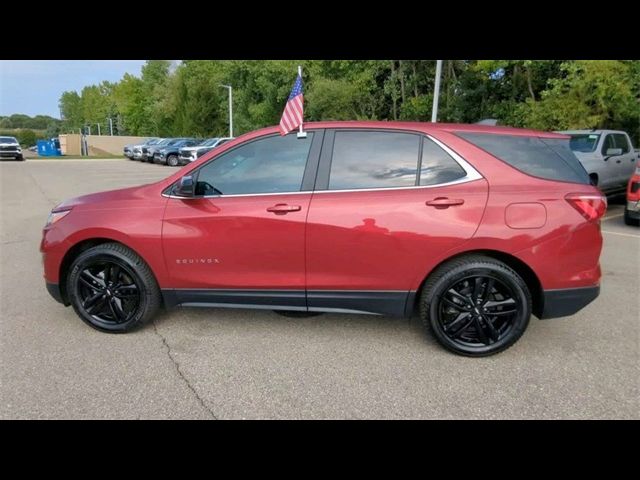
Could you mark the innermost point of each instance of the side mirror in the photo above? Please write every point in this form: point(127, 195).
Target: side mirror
point(186, 187)
point(613, 152)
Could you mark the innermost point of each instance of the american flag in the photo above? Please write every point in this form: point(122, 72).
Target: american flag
point(294, 110)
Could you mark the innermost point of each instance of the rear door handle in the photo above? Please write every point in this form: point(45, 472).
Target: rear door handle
point(283, 208)
point(444, 202)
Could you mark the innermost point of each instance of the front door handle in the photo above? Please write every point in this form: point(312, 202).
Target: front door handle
point(444, 202)
point(618, 161)
point(283, 208)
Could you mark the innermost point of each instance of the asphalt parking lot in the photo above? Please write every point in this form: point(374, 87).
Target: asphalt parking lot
point(217, 363)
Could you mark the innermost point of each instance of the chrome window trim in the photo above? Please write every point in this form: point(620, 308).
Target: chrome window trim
point(471, 175)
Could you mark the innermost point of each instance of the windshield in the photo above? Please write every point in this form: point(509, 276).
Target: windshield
point(8, 140)
point(584, 142)
point(209, 142)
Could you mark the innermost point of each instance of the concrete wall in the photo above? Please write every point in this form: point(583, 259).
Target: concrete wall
point(70, 144)
point(97, 144)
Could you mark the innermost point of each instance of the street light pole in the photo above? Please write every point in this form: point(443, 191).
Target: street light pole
point(98, 128)
point(228, 87)
point(111, 126)
point(436, 92)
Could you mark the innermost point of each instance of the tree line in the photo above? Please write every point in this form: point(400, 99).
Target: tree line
point(187, 99)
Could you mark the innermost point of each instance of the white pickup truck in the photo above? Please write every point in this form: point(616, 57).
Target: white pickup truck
point(607, 156)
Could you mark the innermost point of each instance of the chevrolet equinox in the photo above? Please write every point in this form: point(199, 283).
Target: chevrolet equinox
point(473, 228)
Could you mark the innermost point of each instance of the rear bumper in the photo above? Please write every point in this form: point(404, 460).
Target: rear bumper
point(565, 302)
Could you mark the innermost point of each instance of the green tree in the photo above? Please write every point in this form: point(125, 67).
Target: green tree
point(590, 94)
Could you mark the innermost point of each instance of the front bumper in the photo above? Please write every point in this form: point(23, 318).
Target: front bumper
point(11, 154)
point(54, 291)
point(633, 209)
point(565, 302)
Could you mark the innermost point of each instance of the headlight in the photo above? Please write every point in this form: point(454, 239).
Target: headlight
point(19, 149)
point(56, 216)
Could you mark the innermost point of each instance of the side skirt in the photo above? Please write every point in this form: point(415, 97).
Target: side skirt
point(373, 302)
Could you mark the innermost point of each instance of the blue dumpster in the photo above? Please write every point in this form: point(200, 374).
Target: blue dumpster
point(48, 148)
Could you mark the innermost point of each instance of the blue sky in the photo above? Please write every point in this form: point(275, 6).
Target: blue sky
point(34, 86)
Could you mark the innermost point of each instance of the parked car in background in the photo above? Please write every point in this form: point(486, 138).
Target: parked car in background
point(189, 154)
point(632, 209)
point(128, 149)
point(168, 154)
point(10, 148)
point(473, 227)
point(607, 156)
point(151, 150)
point(140, 149)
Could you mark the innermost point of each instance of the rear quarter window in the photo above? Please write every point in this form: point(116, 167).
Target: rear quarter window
point(548, 158)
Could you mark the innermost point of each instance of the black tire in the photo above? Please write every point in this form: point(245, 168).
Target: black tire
point(295, 314)
point(172, 160)
point(99, 296)
point(478, 333)
point(630, 221)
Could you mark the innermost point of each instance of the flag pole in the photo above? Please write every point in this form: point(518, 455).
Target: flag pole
point(301, 132)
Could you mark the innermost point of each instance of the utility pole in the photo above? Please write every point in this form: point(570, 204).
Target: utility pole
point(230, 109)
point(111, 126)
point(436, 92)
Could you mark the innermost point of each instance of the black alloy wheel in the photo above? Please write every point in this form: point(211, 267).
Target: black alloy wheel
point(478, 310)
point(112, 289)
point(476, 305)
point(108, 292)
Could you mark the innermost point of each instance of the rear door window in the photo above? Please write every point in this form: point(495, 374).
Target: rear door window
point(549, 158)
point(374, 160)
point(438, 166)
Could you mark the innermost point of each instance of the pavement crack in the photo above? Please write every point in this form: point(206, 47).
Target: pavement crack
point(180, 374)
point(42, 192)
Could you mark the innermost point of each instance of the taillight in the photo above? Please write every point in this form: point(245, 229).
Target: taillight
point(591, 206)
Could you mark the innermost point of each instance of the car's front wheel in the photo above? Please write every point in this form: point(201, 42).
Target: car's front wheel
point(112, 289)
point(172, 160)
point(475, 305)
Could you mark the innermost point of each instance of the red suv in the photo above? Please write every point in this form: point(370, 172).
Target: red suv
point(473, 227)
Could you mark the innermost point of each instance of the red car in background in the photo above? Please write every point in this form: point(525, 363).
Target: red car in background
point(632, 209)
point(474, 228)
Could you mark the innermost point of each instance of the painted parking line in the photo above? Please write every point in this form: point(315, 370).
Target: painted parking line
point(612, 216)
point(621, 234)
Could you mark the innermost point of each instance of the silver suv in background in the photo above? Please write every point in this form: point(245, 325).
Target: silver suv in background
point(189, 154)
point(10, 148)
point(128, 149)
point(606, 155)
point(138, 151)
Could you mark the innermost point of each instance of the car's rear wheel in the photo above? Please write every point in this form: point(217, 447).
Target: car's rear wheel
point(172, 160)
point(112, 289)
point(475, 306)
